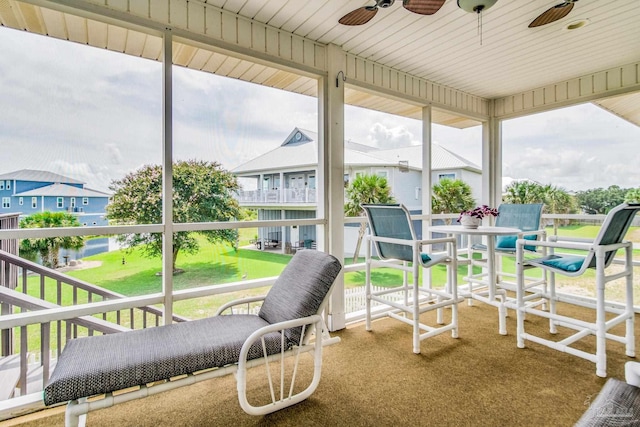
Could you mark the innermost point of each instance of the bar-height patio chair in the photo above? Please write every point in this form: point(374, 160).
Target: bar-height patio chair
point(598, 255)
point(394, 240)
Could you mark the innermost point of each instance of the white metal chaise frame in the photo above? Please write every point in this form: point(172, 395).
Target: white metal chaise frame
point(599, 255)
point(436, 299)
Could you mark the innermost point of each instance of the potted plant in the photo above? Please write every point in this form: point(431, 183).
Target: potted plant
point(473, 217)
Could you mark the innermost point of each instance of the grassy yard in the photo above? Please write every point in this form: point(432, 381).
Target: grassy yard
point(221, 263)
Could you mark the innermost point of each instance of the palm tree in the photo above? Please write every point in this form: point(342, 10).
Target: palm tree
point(558, 200)
point(451, 196)
point(365, 189)
point(49, 247)
point(522, 192)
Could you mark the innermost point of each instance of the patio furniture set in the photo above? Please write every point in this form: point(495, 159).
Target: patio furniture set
point(290, 320)
point(392, 243)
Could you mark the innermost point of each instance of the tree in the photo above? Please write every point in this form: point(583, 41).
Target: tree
point(600, 200)
point(451, 196)
point(202, 192)
point(557, 200)
point(365, 189)
point(49, 247)
point(522, 192)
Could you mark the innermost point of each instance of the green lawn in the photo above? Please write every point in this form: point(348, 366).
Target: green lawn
point(221, 263)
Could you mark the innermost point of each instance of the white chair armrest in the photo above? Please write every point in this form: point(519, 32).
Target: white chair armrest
point(574, 244)
point(632, 373)
point(240, 301)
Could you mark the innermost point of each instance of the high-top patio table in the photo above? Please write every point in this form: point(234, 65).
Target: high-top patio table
point(491, 295)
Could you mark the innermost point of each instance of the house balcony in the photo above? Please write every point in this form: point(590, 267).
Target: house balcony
point(285, 196)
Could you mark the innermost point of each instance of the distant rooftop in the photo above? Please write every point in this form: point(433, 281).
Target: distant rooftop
point(38, 176)
point(62, 190)
point(299, 150)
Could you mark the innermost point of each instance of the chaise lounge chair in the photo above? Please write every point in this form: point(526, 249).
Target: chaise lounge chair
point(219, 345)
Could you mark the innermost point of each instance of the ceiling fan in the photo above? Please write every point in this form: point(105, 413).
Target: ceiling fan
point(553, 14)
point(364, 14)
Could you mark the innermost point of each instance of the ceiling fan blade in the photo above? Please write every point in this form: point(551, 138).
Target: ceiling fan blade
point(423, 7)
point(558, 11)
point(359, 16)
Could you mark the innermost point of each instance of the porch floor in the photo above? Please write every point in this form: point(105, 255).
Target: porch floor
point(373, 378)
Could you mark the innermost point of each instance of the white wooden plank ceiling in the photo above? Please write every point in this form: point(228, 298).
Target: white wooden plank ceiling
point(444, 48)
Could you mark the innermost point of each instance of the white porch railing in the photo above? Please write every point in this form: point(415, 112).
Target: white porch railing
point(285, 195)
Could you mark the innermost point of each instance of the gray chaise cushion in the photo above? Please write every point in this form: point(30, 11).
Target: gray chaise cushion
point(300, 289)
point(104, 363)
point(617, 404)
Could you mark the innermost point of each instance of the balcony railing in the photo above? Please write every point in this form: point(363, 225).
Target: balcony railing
point(30, 367)
point(285, 195)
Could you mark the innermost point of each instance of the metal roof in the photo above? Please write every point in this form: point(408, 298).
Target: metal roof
point(61, 190)
point(303, 156)
point(38, 176)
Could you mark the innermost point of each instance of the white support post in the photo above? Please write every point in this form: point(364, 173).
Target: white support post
point(492, 162)
point(167, 176)
point(426, 182)
point(331, 156)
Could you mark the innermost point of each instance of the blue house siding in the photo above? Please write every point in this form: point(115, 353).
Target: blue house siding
point(38, 195)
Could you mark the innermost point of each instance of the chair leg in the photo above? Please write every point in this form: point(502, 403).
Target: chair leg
point(416, 309)
point(519, 298)
point(452, 281)
point(552, 302)
point(601, 328)
point(469, 271)
point(502, 318)
point(629, 335)
point(367, 288)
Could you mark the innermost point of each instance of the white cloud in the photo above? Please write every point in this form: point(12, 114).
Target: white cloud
point(385, 137)
point(113, 153)
point(97, 115)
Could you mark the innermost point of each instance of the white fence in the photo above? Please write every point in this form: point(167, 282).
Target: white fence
point(355, 298)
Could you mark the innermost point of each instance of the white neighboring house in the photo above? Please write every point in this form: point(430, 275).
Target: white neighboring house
point(283, 181)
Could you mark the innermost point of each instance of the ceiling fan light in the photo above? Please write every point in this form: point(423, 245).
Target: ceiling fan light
point(574, 25)
point(475, 6)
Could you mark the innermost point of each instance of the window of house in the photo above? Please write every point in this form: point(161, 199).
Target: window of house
point(60, 202)
point(85, 200)
point(446, 176)
point(8, 186)
point(6, 202)
point(346, 179)
point(21, 201)
point(72, 202)
point(34, 202)
point(312, 181)
point(1, 185)
point(383, 174)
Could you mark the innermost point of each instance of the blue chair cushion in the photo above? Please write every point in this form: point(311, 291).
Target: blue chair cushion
point(509, 242)
point(566, 263)
point(425, 258)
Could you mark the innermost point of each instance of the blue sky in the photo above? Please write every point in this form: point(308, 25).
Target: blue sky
point(95, 115)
